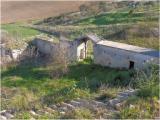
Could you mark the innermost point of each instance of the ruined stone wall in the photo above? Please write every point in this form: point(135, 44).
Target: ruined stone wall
point(70, 48)
point(117, 58)
point(46, 47)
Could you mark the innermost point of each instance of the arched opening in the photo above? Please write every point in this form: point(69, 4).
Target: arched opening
point(84, 49)
point(89, 49)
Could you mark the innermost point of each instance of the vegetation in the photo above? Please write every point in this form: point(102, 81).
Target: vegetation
point(27, 86)
point(116, 18)
point(17, 30)
point(36, 83)
point(145, 104)
point(80, 113)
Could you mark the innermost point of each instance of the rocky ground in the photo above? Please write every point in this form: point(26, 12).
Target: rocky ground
point(108, 107)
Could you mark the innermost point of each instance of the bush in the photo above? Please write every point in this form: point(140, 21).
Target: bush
point(149, 84)
point(141, 109)
point(24, 100)
point(23, 115)
point(149, 91)
point(59, 66)
point(80, 113)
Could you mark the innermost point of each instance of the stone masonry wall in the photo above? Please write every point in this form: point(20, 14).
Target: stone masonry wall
point(117, 58)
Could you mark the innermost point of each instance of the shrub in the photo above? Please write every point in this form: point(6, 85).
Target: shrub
point(59, 66)
point(149, 91)
point(106, 92)
point(23, 115)
point(24, 100)
point(141, 108)
point(79, 113)
point(149, 84)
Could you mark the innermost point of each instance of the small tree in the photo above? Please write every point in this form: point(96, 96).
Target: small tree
point(83, 9)
point(103, 6)
point(59, 66)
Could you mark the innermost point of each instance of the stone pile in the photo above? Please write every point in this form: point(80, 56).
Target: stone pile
point(93, 105)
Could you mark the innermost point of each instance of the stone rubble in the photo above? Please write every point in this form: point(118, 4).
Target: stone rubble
point(121, 97)
point(112, 106)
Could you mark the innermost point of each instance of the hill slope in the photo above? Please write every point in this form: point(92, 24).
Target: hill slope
point(26, 10)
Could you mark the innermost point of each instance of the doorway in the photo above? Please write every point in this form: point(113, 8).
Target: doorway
point(131, 64)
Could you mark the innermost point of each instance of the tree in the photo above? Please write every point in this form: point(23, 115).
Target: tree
point(103, 6)
point(83, 9)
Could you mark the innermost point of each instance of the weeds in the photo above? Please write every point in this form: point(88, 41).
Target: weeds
point(140, 108)
point(59, 64)
point(80, 113)
point(24, 100)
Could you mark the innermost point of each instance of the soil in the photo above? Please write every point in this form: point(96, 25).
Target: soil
point(13, 11)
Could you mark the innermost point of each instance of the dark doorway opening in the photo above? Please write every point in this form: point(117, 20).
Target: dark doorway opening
point(131, 64)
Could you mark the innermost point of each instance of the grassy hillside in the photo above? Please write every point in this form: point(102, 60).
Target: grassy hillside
point(15, 11)
point(117, 18)
point(16, 29)
point(35, 87)
point(30, 86)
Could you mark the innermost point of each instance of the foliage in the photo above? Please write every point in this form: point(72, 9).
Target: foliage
point(17, 30)
point(149, 87)
point(24, 100)
point(59, 66)
point(114, 18)
point(80, 113)
point(23, 115)
point(106, 92)
point(140, 109)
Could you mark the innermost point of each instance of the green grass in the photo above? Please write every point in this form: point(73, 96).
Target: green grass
point(83, 80)
point(114, 18)
point(16, 29)
point(80, 113)
point(141, 108)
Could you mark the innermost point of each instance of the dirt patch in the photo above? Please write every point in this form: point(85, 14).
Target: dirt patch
point(13, 11)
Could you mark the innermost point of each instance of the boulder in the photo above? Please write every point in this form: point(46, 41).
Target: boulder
point(3, 117)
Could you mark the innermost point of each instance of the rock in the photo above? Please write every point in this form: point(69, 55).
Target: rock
point(16, 53)
point(63, 109)
point(8, 115)
point(124, 94)
point(3, 111)
point(131, 106)
point(33, 113)
point(122, 98)
point(32, 118)
point(53, 107)
point(118, 106)
point(69, 106)
point(62, 113)
point(75, 103)
point(40, 112)
point(98, 104)
point(155, 32)
point(3, 117)
point(50, 110)
point(113, 102)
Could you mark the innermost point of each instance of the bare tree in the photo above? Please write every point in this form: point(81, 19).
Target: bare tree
point(59, 66)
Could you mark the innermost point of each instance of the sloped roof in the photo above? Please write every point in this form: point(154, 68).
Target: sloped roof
point(141, 50)
point(93, 37)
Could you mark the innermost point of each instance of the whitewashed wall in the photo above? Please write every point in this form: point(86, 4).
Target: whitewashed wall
point(118, 58)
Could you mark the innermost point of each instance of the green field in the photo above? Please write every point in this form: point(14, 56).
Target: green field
point(117, 18)
point(34, 83)
point(27, 86)
point(16, 29)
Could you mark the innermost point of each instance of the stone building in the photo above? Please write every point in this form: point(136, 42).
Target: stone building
point(75, 50)
point(120, 55)
point(105, 53)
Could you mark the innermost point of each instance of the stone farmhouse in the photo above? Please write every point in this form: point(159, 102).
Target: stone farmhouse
point(105, 52)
